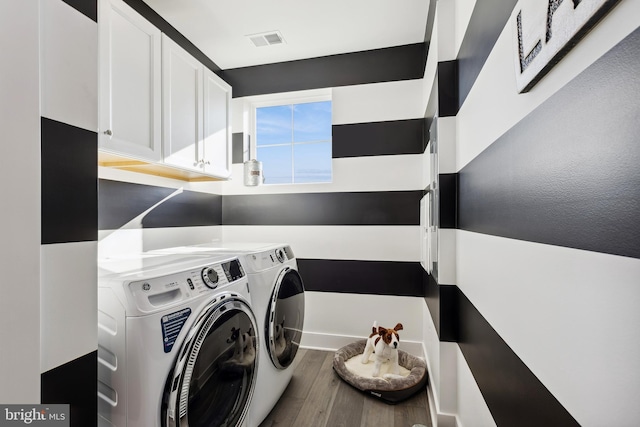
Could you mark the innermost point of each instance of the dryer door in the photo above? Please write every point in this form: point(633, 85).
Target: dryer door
point(285, 318)
point(214, 376)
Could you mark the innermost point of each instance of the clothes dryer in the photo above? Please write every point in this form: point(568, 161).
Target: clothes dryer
point(277, 295)
point(177, 341)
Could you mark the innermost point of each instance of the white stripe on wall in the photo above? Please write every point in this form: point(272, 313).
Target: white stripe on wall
point(567, 314)
point(479, 126)
point(372, 173)
point(120, 242)
point(471, 408)
point(378, 102)
point(367, 243)
point(20, 226)
point(69, 297)
point(351, 317)
point(69, 65)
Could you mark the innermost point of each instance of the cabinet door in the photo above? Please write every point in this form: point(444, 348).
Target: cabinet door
point(217, 126)
point(129, 105)
point(182, 105)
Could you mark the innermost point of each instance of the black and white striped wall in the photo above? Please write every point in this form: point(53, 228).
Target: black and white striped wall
point(356, 239)
point(49, 245)
point(533, 320)
point(69, 144)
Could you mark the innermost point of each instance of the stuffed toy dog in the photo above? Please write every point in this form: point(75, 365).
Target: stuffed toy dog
point(383, 343)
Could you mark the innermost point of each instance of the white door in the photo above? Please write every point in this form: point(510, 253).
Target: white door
point(129, 81)
point(217, 126)
point(182, 84)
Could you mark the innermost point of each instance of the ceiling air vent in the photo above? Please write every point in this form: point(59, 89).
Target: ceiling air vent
point(266, 39)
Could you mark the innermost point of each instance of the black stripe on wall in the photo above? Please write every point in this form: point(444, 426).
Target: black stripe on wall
point(74, 383)
point(69, 197)
point(487, 22)
point(447, 88)
point(88, 8)
point(121, 202)
point(378, 138)
point(152, 16)
point(362, 277)
point(358, 208)
point(567, 174)
point(448, 193)
point(373, 66)
point(442, 301)
point(512, 392)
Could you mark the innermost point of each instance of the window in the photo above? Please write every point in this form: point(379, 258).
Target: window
point(293, 142)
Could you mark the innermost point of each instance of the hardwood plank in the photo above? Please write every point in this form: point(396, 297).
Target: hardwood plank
point(347, 407)
point(376, 413)
point(315, 411)
point(305, 374)
point(284, 413)
point(406, 416)
point(317, 397)
point(419, 400)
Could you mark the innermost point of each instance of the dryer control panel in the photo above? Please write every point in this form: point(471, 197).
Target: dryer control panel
point(153, 293)
point(271, 258)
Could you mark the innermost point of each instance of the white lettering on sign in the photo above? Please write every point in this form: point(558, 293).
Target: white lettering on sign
point(546, 30)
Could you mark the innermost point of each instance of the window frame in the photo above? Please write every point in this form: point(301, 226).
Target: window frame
point(282, 99)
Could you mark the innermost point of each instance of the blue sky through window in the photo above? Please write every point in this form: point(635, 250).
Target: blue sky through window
point(294, 142)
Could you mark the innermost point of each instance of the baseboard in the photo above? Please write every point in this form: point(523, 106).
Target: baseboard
point(438, 419)
point(332, 342)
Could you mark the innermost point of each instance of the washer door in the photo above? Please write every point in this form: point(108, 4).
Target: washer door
point(285, 318)
point(214, 376)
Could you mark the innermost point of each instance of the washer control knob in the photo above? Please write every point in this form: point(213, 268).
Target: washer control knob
point(280, 255)
point(210, 277)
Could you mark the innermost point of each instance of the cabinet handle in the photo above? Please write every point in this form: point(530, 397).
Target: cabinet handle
point(108, 132)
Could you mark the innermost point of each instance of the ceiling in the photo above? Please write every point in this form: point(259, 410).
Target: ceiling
point(309, 28)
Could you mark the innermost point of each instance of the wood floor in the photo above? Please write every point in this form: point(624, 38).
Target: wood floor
point(317, 397)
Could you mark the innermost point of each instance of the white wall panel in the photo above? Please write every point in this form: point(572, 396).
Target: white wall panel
point(69, 298)
point(120, 242)
point(493, 106)
point(20, 225)
point(352, 315)
point(432, 350)
point(371, 173)
point(378, 102)
point(445, 15)
point(552, 305)
point(367, 243)
point(472, 410)
point(69, 65)
point(463, 12)
point(447, 256)
point(447, 145)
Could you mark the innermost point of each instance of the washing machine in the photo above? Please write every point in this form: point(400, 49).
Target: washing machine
point(178, 341)
point(277, 295)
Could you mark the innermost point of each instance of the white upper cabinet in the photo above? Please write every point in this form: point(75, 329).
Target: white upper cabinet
point(157, 102)
point(217, 125)
point(130, 85)
point(183, 105)
point(196, 114)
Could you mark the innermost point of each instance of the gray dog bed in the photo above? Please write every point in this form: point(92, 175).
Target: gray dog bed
point(391, 390)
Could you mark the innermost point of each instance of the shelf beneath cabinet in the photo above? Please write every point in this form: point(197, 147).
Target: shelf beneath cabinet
point(115, 161)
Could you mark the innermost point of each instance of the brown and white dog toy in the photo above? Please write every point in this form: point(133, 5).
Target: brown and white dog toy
point(384, 344)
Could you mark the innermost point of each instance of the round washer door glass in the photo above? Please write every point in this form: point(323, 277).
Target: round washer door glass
point(213, 380)
point(285, 318)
